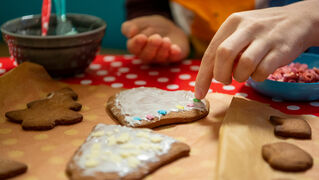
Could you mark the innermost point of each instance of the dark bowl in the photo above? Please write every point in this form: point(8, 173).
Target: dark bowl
point(61, 55)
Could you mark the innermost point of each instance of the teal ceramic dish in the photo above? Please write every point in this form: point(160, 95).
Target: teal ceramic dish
point(291, 91)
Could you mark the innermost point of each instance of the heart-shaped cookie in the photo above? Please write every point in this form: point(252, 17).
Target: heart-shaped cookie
point(152, 107)
point(286, 157)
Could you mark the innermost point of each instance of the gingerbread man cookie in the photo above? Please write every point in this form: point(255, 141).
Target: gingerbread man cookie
point(119, 152)
point(152, 107)
point(58, 108)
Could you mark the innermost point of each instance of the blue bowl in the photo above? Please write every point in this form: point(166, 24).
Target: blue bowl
point(291, 91)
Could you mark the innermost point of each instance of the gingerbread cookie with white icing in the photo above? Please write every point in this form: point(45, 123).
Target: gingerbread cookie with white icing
point(152, 107)
point(119, 152)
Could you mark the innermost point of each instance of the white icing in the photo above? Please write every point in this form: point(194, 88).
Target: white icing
point(122, 151)
point(140, 102)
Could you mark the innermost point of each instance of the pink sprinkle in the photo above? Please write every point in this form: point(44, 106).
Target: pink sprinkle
point(190, 105)
point(149, 117)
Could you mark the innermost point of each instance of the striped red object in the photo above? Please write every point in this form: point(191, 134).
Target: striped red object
point(45, 16)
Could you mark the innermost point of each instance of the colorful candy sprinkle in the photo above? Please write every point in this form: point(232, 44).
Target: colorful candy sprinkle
point(162, 112)
point(190, 105)
point(137, 118)
point(150, 117)
point(180, 107)
point(196, 100)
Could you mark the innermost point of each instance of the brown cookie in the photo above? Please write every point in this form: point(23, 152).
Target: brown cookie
point(58, 108)
point(10, 168)
point(291, 127)
point(115, 152)
point(152, 107)
point(286, 157)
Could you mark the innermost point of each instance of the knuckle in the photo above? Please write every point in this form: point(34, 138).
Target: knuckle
point(255, 26)
point(223, 51)
point(237, 16)
point(285, 49)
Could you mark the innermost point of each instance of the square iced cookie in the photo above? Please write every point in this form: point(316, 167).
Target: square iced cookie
point(119, 152)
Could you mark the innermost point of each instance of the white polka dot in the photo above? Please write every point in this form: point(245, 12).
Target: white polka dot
point(116, 64)
point(79, 75)
point(137, 61)
point(95, 66)
point(109, 79)
point(215, 81)
point(128, 56)
point(184, 76)
point(228, 87)
point(131, 76)
point(86, 82)
point(153, 73)
point(140, 83)
point(209, 90)
point(175, 70)
point(192, 83)
point(194, 68)
point(116, 85)
point(242, 94)
point(276, 99)
point(187, 62)
point(293, 107)
point(162, 79)
point(101, 72)
point(311, 115)
point(2, 71)
point(0, 64)
point(15, 63)
point(145, 67)
point(172, 86)
point(108, 58)
point(246, 84)
point(124, 69)
point(315, 103)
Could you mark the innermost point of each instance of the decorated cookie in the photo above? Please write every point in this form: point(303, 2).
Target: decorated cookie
point(58, 108)
point(286, 157)
point(291, 127)
point(10, 168)
point(119, 152)
point(152, 107)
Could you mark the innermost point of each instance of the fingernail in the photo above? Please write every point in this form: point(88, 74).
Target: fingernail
point(166, 39)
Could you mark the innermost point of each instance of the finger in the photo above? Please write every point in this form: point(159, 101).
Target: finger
point(226, 54)
point(149, 51)
point(268, 65)
point(136, 44)
point(148, 31)
point(129, 29)
point(175, 53)
point(206, 70)
point(250, 59)
point(164, 51)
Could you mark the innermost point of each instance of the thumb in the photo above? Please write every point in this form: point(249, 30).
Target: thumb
point(129, 29)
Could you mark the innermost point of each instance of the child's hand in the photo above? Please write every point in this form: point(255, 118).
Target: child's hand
point(155, 39)
point(255, 43)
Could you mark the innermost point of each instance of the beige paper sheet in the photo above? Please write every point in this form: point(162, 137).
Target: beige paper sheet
point(47, 152)
point(244, 130)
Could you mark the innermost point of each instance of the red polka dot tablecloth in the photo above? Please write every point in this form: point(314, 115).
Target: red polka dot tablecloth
point(128, 71)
